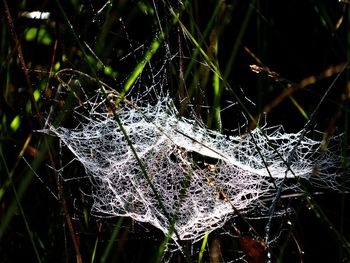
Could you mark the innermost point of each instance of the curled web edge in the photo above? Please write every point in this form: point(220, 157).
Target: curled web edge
point(175, 153)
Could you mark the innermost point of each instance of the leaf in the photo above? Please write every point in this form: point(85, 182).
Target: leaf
point(254, 249)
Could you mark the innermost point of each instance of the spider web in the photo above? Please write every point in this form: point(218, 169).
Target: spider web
point(177, 171)
point(201, 177)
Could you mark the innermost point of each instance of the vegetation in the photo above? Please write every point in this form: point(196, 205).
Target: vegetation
point(227, 63)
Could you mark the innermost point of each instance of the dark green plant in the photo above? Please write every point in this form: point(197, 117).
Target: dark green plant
point(297, 48)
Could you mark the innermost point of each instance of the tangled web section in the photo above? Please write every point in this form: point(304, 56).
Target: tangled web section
point(188, 165)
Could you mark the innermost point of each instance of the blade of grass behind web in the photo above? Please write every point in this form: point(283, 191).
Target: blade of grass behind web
point(204, 244)
point(112, 239)
point(18, 204)
point(193, 59)
point(140, 66)
point(201, 42)
point(214, 119)
point(243, 28)
point(214, 67)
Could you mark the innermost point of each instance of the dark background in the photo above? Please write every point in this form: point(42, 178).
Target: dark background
point(294, 39)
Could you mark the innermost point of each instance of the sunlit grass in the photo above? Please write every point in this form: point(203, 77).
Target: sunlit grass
point(212, 67)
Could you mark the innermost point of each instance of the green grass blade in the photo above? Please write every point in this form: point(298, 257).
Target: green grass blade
point(111, 241)
point(299, 107)
point(232, 58)
point(139, 67)
point(93, 256)
point(18, 203)
point(204, 244)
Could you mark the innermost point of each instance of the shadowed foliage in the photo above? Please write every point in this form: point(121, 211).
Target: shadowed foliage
point(230, 65)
